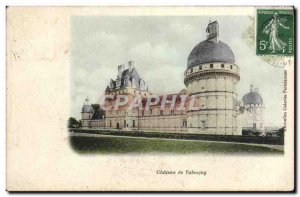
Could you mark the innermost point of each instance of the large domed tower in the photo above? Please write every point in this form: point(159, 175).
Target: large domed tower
point(212, 76)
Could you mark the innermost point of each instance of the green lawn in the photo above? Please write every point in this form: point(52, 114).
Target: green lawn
point(120, 145)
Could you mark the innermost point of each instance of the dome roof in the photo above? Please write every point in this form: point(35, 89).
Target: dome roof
point(210, 51)
point(252, 98)
point(87, 109)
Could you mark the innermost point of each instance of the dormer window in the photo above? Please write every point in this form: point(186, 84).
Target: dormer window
point(200, 67)
point(222, 65)
point(211, 65)
point(230, 66)
point(111, 85)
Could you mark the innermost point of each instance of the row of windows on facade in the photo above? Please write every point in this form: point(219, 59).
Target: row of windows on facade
point(184, 124)
point(123, 91)
point(151, 112)
point(253, 104)
point(211, 66)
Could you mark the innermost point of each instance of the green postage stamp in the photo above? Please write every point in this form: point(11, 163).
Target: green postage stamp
point(275, 32)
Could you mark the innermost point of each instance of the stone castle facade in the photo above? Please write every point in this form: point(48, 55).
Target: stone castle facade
point(211, 78)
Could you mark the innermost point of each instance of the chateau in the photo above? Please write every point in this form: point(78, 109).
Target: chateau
point(211, 79)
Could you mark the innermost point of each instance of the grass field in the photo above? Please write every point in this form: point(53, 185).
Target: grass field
point(121, 145)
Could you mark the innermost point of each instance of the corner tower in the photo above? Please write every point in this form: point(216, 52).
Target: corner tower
point(86, 114)
point(212, 76)
point(254, 111)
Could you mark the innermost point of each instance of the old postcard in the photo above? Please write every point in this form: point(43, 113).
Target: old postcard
point(150, 98)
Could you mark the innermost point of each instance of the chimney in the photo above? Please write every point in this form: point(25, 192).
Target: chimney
point(212, 31)
point(130, 65)
point(251, 88)
point(256, 90)
point(121, 68)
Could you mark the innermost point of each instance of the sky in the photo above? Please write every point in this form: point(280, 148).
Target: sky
point(160, 46)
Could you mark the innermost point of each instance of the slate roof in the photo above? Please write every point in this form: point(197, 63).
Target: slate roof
point(252, 98)
point(209, 51)
point(87, 109)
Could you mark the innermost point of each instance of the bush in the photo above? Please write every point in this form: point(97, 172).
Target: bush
point(207, 137)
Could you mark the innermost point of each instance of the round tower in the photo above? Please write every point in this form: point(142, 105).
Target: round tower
point(255, 109)
point(86, 114)
point(212, 76)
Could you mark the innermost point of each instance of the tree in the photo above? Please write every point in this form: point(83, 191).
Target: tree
point(280, 132)
point(79, 124)
point(95, 107)
point(73, 123)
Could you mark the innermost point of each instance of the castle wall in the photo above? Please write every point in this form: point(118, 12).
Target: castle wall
point(151, 120)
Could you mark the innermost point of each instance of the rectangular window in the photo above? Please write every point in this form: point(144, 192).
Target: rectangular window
point(230, 66)
point(184, 123)
point(172, 112)
point(200, 67)
point(124, 123)
point(133, 123)
point(222, 65)
point(202, 124)
point(191, 70)
point(254, 125)
point(211, 65)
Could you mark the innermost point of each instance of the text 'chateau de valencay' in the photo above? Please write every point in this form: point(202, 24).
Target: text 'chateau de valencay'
point(211, 78)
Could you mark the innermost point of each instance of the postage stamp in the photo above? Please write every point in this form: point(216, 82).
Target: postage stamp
point(275, 32)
